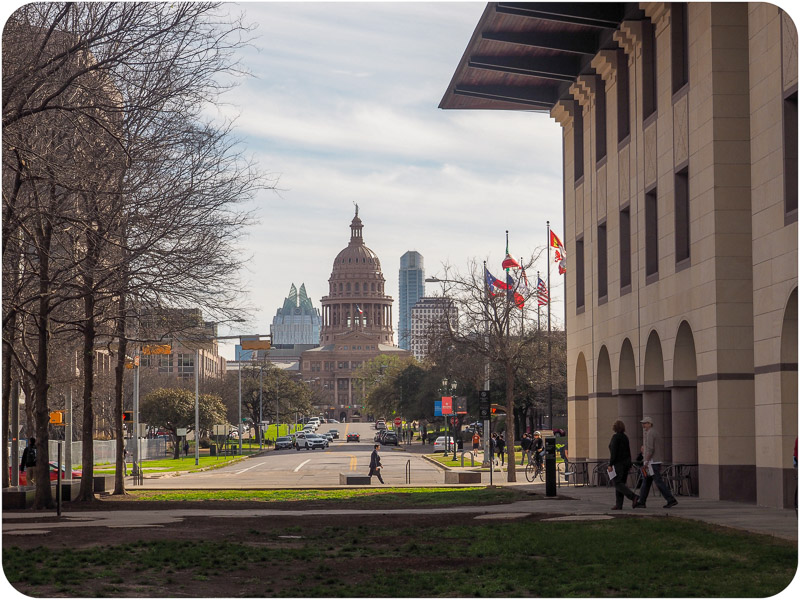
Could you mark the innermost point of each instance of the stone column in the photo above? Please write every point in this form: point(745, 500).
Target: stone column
point(629, 409)
point(684, 425)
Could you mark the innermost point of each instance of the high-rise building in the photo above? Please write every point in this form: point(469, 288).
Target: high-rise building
point(356, 327)
point(412, 288)
point(429, 316)
point(297, 321)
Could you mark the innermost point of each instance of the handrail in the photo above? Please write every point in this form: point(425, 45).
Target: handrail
point(408, 471)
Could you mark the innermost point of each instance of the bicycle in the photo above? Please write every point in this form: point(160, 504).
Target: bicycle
point(535, 469)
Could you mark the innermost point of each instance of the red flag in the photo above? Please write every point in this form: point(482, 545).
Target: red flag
point(554, 241)
point(510, 262)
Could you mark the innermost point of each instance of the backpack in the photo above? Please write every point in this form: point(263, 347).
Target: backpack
point(30, 459)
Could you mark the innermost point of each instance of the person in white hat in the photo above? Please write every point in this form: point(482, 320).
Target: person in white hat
point(652, 465)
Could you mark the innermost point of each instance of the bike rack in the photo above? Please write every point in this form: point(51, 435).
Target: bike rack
point(408, 471)
point(471, 457)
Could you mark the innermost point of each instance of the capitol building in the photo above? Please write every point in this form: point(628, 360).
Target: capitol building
point(356, 327)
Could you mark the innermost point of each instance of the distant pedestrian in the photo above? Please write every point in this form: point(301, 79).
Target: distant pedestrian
point(27, 463)
point(423, 434)
point(525, 444)
point(375, 464)
point(619, 464)
point(476, 440)
point(186, 447)
point(501, 449)
point(493, 448)
point(125, 461)
point(652, 466)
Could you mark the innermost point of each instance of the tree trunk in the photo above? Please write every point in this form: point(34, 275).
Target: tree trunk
point(43, 497)
point(89, 303)
point(119, 379)
point(7, 350)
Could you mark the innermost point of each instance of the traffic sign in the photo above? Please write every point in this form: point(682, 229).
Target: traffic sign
point(454, 421)
point(256, 345)
point(157, 349)
point(398, 421)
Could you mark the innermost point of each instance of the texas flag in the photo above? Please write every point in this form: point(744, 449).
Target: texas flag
point(358, 308)
point(510, 262)
point(494, 282)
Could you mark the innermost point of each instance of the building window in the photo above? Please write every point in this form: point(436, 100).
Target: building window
point(682, 215)
point(186, 365)
point(625, 248)
point(680, 45)
point(578, 139)
point(623, 99)
point(357, 286)
point(790, 154)
point(602, 262)
point(600, 120)
point(651, 232)
point(648, 70)
point(165, 363)
point(579, 274)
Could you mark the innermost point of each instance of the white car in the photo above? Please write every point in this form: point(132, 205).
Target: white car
point(438, 445)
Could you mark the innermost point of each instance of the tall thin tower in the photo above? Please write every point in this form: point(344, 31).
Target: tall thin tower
point(412, 288)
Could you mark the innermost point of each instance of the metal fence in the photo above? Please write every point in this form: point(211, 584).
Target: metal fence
point(105, 451)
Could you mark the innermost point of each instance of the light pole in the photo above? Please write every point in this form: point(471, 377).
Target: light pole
point(449, 387)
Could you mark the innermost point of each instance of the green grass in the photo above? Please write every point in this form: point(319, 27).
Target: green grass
point(383, 496)
point(167, 465)
point(639, 557)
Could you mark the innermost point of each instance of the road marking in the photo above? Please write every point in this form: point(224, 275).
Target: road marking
point(300, 466)
point(248, 468)
point(353, 462)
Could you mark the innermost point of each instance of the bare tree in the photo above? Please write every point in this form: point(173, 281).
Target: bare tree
point(143, 211)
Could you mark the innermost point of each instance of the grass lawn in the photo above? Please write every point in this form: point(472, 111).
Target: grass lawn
point(409, 497)
point(640, 557)
point(166, 465)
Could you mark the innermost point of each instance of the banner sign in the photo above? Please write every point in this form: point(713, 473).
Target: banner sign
point(447, 405)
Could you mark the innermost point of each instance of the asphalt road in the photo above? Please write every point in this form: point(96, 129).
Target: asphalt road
point(311, 468)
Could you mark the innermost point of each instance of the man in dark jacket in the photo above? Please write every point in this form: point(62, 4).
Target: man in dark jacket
point(375, 464)
point(28, 462)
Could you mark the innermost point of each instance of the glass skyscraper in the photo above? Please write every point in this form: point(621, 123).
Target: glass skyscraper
point(412, 288)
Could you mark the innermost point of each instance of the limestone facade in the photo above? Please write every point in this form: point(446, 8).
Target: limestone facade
point(694, 321)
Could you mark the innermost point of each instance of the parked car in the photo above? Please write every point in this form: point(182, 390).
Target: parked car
point(334, 433)
point(439, 444)
point(380, 424)
point(315, 441)
point(327, 435)
point(23, 476)
point(353, 437)
point(284, 443)
point(300, 440)
point(389, 438)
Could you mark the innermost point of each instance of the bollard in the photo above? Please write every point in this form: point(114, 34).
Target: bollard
point(550, 466)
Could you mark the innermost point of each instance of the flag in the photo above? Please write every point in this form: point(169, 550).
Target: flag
point(510, 262)
point(562, 266)
point(358, 308)
point(523, 287)
point(493, 281)
point(541, 291)
point(554, 241)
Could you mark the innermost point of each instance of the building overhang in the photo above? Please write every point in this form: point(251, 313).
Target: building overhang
point(525, 55)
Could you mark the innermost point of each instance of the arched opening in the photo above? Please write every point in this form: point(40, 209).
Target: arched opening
point(683, 396)
point(655, 398)
point(789, 393)
point(603, 409)
point(629, 400)
point(578, 429)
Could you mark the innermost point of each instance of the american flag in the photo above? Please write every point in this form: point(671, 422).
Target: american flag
point(541, 291)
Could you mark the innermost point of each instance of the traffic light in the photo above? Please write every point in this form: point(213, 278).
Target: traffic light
point(57, 417)
point(127, 416)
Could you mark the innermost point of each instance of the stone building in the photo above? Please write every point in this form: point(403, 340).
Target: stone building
point(679, 126)
point(356, 327)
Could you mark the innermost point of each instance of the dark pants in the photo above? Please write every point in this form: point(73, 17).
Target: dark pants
point(621, 489)
point(655, 478)
point(376, 472)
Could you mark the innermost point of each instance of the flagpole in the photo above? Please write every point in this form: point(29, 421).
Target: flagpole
point(538, 305)
point(549, 346)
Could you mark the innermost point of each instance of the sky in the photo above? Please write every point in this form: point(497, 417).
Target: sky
point(342, 106)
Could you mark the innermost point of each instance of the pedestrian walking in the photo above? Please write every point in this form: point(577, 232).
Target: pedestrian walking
point(424, 432)
point(27, 463)
point(493, 448)
point(375, 464)
point(125, 461)
point(525, 444)
point(186, 447)
point(651, 454)
point(501, 449)
point(618, 466)
point(476, 440)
